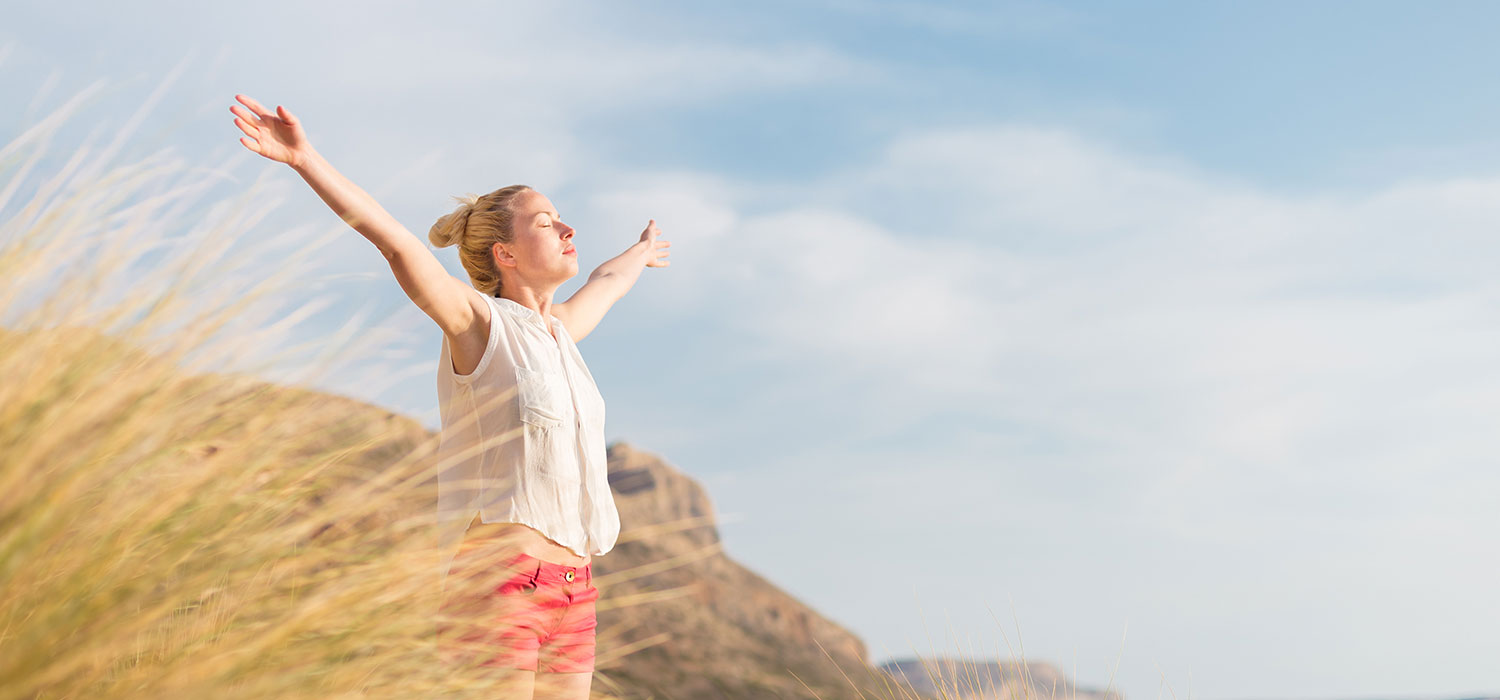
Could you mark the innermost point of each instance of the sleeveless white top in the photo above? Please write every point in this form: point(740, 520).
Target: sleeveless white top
point(522, 437)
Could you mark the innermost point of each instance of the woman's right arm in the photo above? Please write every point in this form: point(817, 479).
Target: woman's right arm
point(447, 300)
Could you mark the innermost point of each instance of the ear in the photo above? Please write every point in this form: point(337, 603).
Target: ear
point(502, 256)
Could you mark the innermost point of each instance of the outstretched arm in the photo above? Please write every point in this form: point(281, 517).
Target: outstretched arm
point(280, 137)
point(607, 283)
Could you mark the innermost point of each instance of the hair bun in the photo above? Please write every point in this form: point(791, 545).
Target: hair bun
point(449, 230)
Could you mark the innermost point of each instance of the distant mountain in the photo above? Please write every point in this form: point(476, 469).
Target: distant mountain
point(986, 679)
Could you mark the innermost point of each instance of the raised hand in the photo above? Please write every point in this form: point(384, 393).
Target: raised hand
point(656, 249)
point(276, 136)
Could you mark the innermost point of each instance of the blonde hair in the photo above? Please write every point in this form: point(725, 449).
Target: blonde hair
point(475, 227)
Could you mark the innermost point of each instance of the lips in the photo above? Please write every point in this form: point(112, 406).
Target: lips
point(570, 250)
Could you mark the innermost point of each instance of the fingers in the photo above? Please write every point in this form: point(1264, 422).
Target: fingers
point(245, 127)
point(253, 105)
point(659, 246)
point(250, 144)
point(286, 115)
point(244, 114)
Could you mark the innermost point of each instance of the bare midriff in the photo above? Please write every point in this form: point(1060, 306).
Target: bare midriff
point(527, 539)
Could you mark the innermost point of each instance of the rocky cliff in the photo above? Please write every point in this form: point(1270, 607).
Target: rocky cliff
point(714, 628)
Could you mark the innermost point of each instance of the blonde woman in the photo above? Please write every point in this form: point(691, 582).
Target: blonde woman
point(520, 410)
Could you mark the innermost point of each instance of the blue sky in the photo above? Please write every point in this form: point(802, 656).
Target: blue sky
point(1170, 322)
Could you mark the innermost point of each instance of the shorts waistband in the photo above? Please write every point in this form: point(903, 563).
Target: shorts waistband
point(553, 572)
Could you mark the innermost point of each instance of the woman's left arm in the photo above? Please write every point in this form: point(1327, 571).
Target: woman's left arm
point(607, 283)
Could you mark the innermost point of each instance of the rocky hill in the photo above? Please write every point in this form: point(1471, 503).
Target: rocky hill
point(678, 618)
point(726, 631)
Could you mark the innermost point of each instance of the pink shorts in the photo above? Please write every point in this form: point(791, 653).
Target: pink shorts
point(517, 611)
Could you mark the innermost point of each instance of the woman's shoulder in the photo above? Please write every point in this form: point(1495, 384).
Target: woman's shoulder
point(474, 349)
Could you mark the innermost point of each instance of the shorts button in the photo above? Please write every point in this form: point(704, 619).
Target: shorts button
point(569, 575)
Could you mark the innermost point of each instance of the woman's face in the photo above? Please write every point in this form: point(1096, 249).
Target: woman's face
point(542, 251)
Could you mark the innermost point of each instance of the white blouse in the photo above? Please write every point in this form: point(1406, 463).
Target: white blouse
point(522, 437)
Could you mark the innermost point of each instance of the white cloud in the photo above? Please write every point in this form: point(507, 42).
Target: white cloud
point(1217, 344)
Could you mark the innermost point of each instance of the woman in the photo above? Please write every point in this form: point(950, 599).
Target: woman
point(523, 422)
